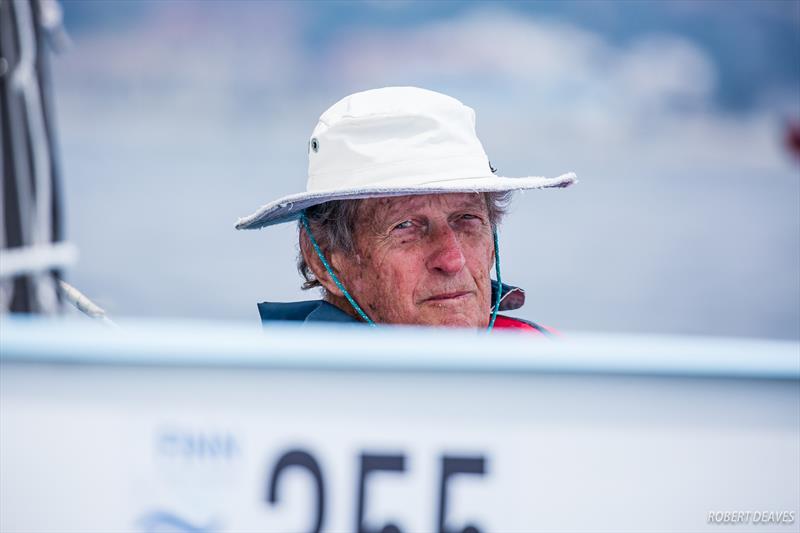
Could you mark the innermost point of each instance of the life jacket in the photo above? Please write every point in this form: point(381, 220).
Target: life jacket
point(510, 323)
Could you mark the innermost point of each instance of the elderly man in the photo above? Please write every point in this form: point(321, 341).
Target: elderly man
point(398, 224)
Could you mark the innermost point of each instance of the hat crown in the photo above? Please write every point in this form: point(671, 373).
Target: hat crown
point(394, 141)
point(394, 133)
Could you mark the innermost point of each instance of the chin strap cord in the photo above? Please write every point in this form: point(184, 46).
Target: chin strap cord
point(333, 276)
point(499, 295)
point(361, 313)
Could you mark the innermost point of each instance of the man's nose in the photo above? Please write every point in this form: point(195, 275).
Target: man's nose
point(446, 257)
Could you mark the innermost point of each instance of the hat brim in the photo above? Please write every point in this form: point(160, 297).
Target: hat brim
point(289, 207)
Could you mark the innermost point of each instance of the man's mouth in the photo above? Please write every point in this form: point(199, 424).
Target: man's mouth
point(448, 296)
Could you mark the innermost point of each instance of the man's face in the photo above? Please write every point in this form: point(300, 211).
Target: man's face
point(422, 260)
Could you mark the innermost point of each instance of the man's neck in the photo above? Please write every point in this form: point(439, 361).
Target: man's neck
point(341, 303)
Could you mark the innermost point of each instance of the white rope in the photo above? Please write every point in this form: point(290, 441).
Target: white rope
point(36, 259)
point(84, 304)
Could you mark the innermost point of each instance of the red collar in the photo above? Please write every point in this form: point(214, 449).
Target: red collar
point(506, 322)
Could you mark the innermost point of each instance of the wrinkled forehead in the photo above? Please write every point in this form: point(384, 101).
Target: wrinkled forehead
point(376, 210)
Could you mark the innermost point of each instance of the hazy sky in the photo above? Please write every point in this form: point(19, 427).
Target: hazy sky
point(175, 118)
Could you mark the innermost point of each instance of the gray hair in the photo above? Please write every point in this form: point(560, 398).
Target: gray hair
point(333, 226)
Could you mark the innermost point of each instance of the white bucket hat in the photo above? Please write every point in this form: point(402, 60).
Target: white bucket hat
point(394, 141)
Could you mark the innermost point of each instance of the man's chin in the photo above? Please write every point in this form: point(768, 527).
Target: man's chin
point(453, 320)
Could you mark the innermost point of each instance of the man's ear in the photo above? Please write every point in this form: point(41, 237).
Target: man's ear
point(316, 266)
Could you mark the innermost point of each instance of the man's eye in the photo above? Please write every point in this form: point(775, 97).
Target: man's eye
point(404, 225)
